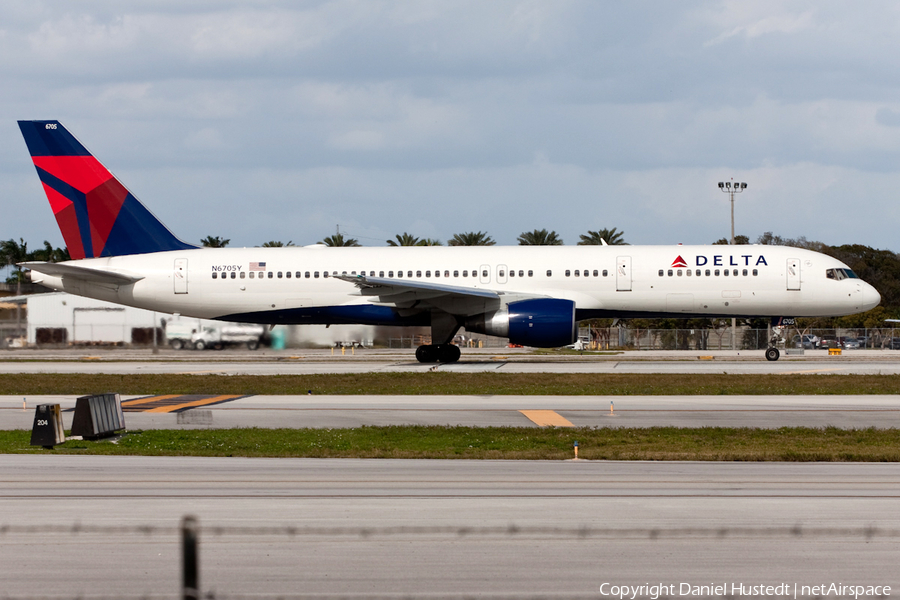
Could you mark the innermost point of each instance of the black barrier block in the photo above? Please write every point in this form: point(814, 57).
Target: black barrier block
point(98, 416)
point(48, 428)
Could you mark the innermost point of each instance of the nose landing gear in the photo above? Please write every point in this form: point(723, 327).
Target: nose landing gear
point(772, 352)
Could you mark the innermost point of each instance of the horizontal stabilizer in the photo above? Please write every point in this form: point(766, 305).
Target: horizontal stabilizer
point(84, 273)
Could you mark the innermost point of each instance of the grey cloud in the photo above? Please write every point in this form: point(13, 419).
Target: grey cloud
point(464, 115)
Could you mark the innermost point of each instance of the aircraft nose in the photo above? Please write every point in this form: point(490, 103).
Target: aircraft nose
point(870, 297)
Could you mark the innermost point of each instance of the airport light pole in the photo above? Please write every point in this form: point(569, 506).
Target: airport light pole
point(731, 188)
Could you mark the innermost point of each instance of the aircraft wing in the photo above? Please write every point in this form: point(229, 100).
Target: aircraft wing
point(419, 295)
point(84, 273)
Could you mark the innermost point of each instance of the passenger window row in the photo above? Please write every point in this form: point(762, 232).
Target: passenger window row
point(390, 274)
point(707, 272)
point(587, 273)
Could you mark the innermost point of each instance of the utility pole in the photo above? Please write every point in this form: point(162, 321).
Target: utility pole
point(731, 188)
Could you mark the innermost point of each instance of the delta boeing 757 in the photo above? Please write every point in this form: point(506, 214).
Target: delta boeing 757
point(533, 295)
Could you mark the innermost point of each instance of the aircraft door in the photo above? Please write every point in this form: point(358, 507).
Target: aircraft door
point(181, 276)
point(501, 273)
point(793, 274)
point(623, 274)
point(484, 273)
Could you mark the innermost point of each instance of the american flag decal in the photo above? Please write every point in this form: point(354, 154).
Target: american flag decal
point(257, 266)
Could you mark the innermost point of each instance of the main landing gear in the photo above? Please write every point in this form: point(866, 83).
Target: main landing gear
point(772, 353)
point(445, 353)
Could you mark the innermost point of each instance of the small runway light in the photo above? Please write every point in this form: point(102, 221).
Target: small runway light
point(611, 408)
point(576, 449)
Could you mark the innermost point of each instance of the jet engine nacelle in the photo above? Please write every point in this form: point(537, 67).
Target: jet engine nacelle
point(542, 323)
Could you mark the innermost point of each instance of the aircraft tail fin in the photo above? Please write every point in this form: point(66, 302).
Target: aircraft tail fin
point(96, 214)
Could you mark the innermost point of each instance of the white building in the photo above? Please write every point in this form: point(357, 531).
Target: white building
point(60, 318)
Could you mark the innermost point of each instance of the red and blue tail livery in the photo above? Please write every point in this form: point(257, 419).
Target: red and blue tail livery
point(96, 214)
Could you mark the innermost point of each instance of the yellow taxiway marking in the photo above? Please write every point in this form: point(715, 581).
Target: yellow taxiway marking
point(127, 403)
point(191, 404)
point(547, 418)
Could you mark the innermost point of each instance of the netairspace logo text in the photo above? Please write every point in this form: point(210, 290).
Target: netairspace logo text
point(784, 590)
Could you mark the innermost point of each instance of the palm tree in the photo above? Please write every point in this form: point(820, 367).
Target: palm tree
point(12, 253)
point(405, 239)
point(49, 254)
point(596, 238)
point(214, 242)
point(430, 242)
point(540, 237)
point(471, 238)
point(274, 244)
point(337, 240)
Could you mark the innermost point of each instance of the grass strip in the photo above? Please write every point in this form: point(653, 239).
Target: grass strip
point(437, 383)
point(792, 444)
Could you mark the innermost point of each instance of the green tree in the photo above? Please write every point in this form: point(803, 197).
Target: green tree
point(770, 239)
point(739, 240)
point(430, 242)
point(274, 244)
point(11, 253)
point(214, 242)
point(405, 239)
point(49, 254)
point(539, 237)
point(338, 240)
point(596, 238)
point(471, 238)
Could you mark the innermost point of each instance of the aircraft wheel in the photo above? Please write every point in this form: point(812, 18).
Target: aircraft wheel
point(772, 354)
point(427, 354)
point(448, 353)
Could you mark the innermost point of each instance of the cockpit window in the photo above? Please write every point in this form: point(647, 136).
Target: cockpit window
point(839, 274)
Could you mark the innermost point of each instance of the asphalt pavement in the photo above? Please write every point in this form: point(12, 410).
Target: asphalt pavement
point(371, 528)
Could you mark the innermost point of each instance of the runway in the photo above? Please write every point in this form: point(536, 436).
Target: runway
point(315, 411)
point(372, 528)
point(501, 360)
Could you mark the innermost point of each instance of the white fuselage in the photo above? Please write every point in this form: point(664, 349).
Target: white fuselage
point(614, 281)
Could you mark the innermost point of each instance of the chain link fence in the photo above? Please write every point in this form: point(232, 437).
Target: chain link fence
point(191, 535)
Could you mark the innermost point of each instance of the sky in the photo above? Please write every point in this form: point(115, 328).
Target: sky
point(268, 120)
